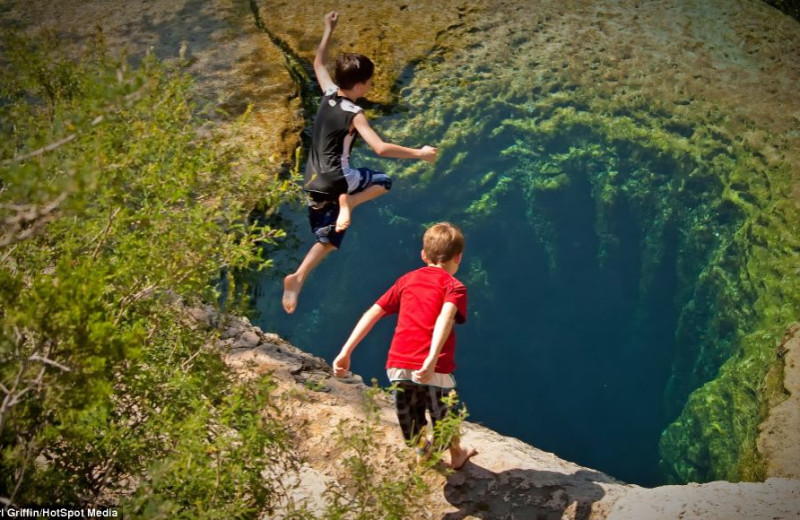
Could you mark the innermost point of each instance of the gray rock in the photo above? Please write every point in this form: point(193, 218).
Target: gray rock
point(248, 339)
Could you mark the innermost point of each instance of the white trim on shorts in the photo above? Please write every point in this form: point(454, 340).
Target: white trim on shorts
point(445, 381)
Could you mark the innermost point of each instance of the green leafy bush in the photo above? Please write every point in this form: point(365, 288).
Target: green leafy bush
point(116, 205)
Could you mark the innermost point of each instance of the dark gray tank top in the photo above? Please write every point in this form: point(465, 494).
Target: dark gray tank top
point(331, 142)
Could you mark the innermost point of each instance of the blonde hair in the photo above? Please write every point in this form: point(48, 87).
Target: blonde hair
point(442, 242)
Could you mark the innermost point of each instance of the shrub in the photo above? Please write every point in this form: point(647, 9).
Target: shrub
point(114, 200)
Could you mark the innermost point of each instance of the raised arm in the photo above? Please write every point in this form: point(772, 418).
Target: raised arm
point(441, 331)
point(341, 365)
point(321, 58)
point(384, 149)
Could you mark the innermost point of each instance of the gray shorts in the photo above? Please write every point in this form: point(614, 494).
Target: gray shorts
point(369, 178)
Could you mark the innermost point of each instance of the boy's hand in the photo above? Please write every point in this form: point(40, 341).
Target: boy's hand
point(427, 153)
point(341, 365)
point(424, 374)
point(331, 19)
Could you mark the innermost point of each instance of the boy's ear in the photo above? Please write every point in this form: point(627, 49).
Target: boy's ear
point(424, 258)
point(458, 257)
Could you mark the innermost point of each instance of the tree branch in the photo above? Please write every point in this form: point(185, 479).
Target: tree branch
point(28, 219)
point(103, 233)
point(8, 400)
point(50, 147)
point(45, 360)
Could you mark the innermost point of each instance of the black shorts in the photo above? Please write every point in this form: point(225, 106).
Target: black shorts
point(322, 217)
point(411, 400)
point(322, 214)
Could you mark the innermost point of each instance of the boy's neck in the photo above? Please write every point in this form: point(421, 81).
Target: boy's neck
point(449, 266)
point(349, 94)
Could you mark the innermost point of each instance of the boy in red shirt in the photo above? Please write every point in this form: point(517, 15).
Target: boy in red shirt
point(420, 360)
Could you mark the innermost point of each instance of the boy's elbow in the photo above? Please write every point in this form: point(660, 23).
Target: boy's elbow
point(376, 311)
point(381, 150)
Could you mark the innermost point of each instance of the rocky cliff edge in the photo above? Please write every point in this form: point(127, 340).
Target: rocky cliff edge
point(507, 479)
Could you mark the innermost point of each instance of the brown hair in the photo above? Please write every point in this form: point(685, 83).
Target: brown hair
point(442, 242)
point(352, 68)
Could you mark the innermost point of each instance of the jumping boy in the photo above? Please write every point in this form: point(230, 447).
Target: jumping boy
point(334, 188)
point(421, 356)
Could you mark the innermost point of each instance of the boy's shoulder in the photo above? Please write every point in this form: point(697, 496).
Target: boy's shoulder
point(349, 106)
point(330, 97)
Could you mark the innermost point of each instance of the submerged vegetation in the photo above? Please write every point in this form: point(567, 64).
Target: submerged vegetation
point(717, 208)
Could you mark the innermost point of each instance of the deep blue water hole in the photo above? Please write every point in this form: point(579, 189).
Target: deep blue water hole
point(570, 353)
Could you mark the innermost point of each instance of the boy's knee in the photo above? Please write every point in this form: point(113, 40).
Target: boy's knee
point(327, 247)
point(381, 179)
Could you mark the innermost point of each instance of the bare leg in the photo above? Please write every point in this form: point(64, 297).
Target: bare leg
point(293, 283)
point(370, 193)
point(458, 455)
point(349, 203)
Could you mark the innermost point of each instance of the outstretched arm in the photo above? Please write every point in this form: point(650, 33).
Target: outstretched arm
point(441, 331)
point(341, 365)
point(384, 149)
point(321, 58)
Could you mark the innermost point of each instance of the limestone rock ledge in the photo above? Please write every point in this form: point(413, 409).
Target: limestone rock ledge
point(508, 479)
point(773, 499)
point(779, 434)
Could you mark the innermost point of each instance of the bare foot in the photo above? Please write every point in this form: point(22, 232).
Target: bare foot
point(291, 290)
point(461, 456)
point(343, 220)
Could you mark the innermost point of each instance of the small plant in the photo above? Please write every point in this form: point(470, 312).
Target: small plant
point(376, 481)
point(447, 429)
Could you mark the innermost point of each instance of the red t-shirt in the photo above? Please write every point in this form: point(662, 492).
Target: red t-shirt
point(418, 297)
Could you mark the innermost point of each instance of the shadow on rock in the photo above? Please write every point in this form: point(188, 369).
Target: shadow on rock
point(522, 493)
